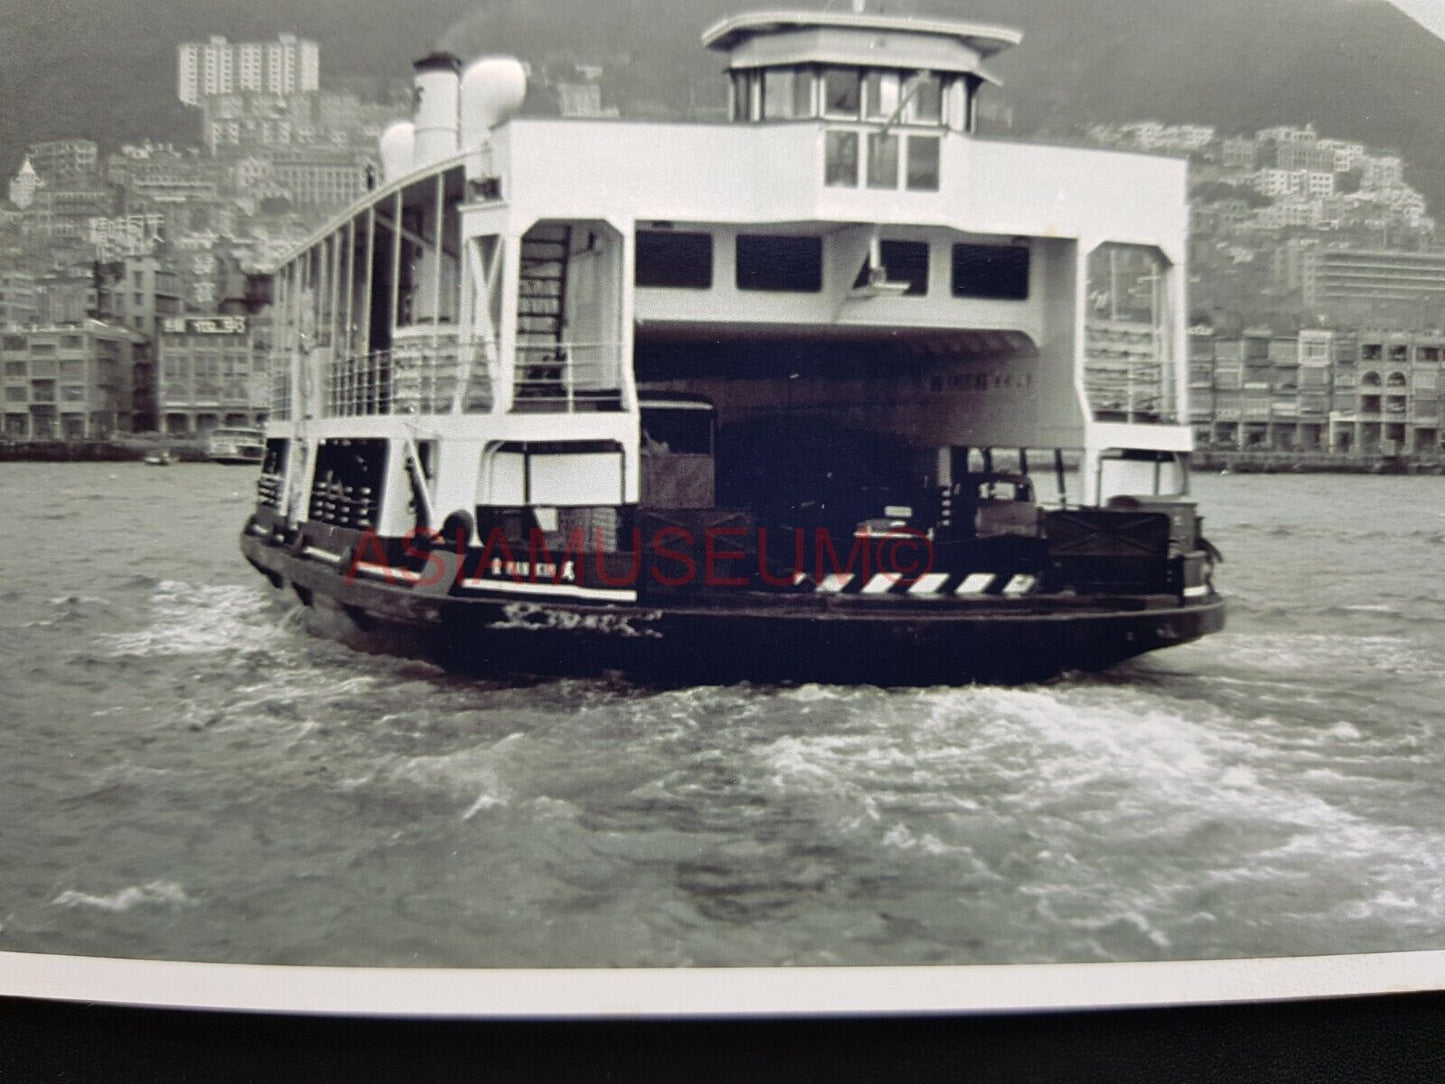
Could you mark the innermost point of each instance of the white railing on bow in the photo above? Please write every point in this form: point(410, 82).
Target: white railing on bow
point(567, 377)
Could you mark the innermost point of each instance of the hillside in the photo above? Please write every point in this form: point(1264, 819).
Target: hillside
point(1355, 68)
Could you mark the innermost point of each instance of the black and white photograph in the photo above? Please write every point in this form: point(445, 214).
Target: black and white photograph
point(682, 487)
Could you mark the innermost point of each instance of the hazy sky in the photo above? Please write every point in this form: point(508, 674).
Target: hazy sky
point(1428, 13)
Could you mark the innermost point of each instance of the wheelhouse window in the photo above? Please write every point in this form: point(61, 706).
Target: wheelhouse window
point(787, 93)
point(880, 95)
point(991, 272)
point(779, 263)
point(925, 100)
point(665, 258)
point(842, 92)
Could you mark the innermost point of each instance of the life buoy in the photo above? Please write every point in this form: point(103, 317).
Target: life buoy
point(457, 531)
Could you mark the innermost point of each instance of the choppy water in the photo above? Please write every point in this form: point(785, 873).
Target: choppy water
point(188, 773)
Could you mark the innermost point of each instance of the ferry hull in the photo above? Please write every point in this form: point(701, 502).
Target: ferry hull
point(248, 459)
point(746, 637)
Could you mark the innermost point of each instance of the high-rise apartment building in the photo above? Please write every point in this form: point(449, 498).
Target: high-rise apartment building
point(284, 66)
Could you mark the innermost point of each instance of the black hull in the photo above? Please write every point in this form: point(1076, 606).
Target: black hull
point(737, 637)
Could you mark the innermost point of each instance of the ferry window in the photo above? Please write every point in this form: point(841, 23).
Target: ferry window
point(682, 430)
point(840, 92)
point(780, 263)
point(787, 93)
point(360, 265)
point(840, 168)
point(414, 302)
point(923, 163)
point(14, 342)
point(1129, 368)
point(450, 247)
point(997, 272)
point(341, 286)
point(882, 160)
point(381, 279)
point(665, 258)
point(14, 368)
point(925, 104)
point(905, 261)
point(321, 279)
point(880, 95)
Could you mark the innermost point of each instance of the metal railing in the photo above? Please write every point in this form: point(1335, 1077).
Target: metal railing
point(567, 377)
point(431, 374)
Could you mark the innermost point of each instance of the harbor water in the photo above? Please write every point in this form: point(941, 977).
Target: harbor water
point(189, 773)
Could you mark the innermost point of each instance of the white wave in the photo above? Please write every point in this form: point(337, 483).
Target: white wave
point(165, 893)
point(1098, 798)
point(1341, 653)
point(188, 619)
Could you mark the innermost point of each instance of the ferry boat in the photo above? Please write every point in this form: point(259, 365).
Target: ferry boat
point(241, 446)
point(833, 389)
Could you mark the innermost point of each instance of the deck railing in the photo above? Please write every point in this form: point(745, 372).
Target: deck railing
point(422, 374)
point(567, 377)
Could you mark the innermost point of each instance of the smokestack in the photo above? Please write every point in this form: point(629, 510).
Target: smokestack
point(437, 80)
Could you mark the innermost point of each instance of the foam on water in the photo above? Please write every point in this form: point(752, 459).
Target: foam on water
point(191, 619)
point(153, 893)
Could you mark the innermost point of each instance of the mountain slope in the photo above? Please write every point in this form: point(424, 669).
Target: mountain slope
point(1355, 68)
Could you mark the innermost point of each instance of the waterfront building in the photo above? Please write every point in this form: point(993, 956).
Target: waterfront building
point(218, 66)
point(1368, 392)
point(211, 373)
point(68, 381)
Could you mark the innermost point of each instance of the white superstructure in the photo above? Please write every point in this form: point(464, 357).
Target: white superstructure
point(846, 248)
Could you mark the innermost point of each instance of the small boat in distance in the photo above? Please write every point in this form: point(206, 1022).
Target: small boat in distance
point(789, 397)
point(237, 445)
point(161, 457)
